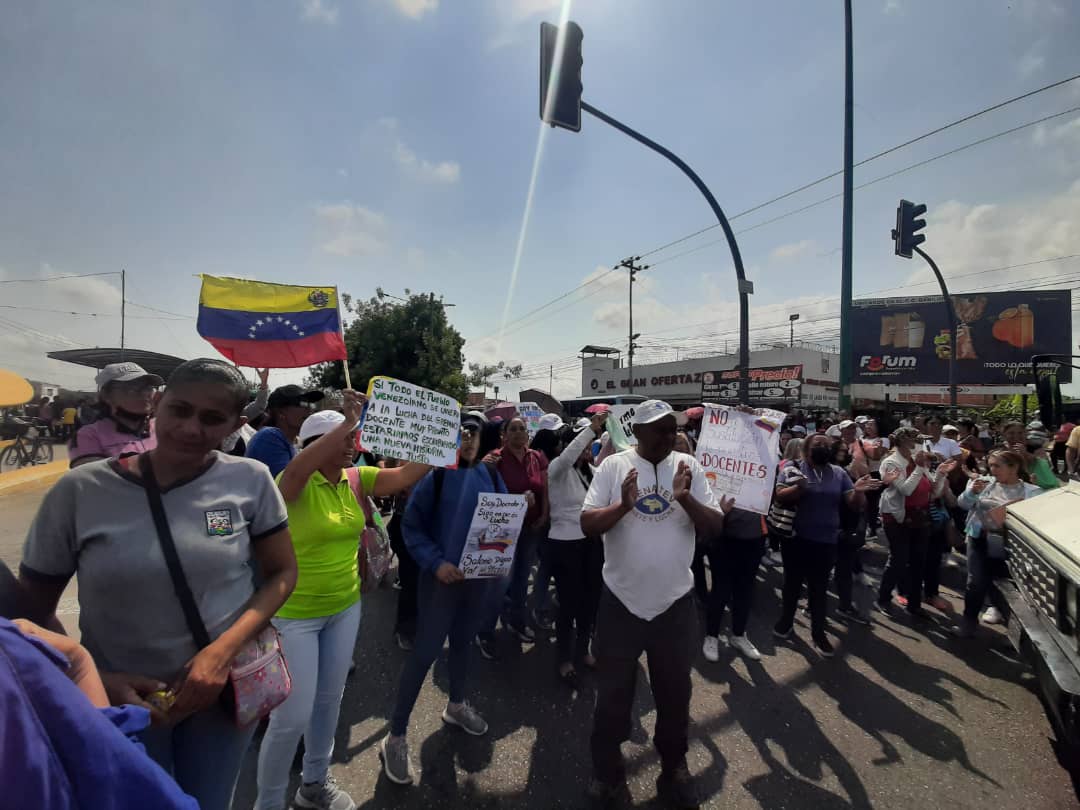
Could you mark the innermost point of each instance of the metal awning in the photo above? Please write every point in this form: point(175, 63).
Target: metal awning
point(161, 364)
point(601, 350)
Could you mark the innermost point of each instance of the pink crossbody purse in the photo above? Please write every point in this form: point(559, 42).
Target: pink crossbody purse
point(259, 679)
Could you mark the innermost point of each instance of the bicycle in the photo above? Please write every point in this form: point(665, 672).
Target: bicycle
point(28, 447)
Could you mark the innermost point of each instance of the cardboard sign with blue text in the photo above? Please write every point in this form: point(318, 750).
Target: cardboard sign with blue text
point(493, 534)
point(739, 452)
point(405, 421)
point(531, 413)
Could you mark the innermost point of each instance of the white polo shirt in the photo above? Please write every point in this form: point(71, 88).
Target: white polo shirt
point(647, 554)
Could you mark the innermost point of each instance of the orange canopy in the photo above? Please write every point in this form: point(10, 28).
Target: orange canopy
point(14, 390)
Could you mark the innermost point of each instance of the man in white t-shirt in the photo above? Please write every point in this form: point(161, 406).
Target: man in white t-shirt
point(648, 503)
point(939, 444)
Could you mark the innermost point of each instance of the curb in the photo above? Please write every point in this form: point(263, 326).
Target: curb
point(29, 479)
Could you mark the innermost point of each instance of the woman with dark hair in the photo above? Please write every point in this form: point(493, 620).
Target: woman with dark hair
point(985, 499)
point(223, 513)
point(574, 559)
point(817, 487)
point(126, 399)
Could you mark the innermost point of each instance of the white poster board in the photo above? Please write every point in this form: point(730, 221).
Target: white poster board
point(739, 452)
point(405, 421)
point(493, 535)
point(619, 426)
point(530, 412)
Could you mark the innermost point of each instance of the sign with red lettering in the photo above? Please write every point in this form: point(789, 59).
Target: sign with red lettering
point(767, 384)
point(739, 452)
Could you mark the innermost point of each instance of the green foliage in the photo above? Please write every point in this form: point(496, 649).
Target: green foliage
point(410, 340)
point(482, 375)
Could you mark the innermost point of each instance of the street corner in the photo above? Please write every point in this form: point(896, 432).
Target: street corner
point(29, 479)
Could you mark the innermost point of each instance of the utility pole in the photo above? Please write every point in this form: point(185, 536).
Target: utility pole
point(845, 260)
point(551, 379)
point(634, 270)
point(791, 320)
point(123, 310)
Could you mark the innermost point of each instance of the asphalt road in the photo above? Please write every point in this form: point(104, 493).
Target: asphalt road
point(903, 716)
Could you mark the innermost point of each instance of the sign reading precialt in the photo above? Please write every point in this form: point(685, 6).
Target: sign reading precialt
point(405, 421)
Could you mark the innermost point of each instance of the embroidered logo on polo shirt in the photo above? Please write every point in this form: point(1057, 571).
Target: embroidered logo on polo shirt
point(219, 522)
point(654, 506)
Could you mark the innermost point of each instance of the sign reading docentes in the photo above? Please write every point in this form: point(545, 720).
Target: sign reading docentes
point(766, 384)
point(739, 452)
point(493, 533)
point(405, 421)
point(907, 341)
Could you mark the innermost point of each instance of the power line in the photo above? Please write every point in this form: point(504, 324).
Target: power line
point(56, 278)
point(178, 315)
point(87, 314)
point(863, 162)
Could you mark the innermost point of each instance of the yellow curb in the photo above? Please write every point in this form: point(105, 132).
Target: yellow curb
point(28, 479)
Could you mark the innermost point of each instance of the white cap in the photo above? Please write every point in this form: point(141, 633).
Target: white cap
point(124, 372)
point(949, 428)
point(319, 424)
point(861, 419)
point(833, 432)
point(798, 430)
point(846, 424)
point(549, 421)
point(582, 423)
point(650, 411)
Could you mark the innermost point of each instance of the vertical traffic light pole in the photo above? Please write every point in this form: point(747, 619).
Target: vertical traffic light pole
point(953, 324)
point(745, 287)
point(846, 348)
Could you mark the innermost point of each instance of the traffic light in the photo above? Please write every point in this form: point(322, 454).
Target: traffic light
point(560, 75)
point(906, 233)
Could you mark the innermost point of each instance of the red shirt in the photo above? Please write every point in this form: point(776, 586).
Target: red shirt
point(525, 476)
point(920, 498)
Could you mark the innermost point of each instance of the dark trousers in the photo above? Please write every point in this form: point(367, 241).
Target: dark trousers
point(936, 544)
point(734, 564)
point(576, 566)
point(456, 611)
point(408, 571)
point(697, 567)
point(670, 642)
point(809, 562)
point(982, 569)
point(517, 584)
point(873, 498)
point(847, 562)
point(907, 560)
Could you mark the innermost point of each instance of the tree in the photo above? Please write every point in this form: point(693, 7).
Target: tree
point(411, 340)
point(482, 375)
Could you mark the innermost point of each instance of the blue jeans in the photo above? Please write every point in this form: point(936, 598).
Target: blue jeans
point(516, 586)
point(982, 569)
point(456, 611)
point(203, 754)
point(318, 652)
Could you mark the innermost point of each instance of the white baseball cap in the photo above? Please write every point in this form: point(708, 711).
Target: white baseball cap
point(846, 424)
point(582, 423)
point(798, 430)
point(861, 419)
point(950, 428)
point(650, 411)
point(319, 424)
point(125, 372)
point(549, 421)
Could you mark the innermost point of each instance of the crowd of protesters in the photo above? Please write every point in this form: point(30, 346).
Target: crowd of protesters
point(196, 516)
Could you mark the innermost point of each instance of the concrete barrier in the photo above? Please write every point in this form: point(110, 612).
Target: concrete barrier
point(28, 479)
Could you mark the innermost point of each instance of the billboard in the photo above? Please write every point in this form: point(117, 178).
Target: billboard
point(906, 341)
point(775, 384)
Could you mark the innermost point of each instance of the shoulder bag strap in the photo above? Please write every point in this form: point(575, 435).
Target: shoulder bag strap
point(356, 484)
point(172, 559)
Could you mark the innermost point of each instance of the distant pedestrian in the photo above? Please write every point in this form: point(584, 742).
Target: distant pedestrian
point(126, 399)
point(647, 502)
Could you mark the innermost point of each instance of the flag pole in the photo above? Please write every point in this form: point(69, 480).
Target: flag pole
point(341, 328)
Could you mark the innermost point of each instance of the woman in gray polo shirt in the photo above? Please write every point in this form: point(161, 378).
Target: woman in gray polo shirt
point(223, 512)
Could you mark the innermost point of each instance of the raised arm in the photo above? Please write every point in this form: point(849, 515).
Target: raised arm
point(324, 451)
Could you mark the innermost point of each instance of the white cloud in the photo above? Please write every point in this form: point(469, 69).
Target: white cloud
point(1031, 63)
point(794, 250)
point(415, 9)
point(524, 9)
point(445, 171)
point(349, 230)
point(317, 11)
point(893, 7)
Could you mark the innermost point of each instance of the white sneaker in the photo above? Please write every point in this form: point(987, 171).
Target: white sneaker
point(711, 648)
point(743, 645)
point(992, 616)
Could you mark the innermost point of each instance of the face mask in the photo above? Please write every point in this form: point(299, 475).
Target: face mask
point(820, 455)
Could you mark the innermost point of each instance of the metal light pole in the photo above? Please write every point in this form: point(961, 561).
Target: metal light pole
point(845, 260)
point(953, 324)
point(791, 322)
point(746, 288)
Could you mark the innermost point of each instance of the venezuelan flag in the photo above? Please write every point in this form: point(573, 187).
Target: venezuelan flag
point(263, 325)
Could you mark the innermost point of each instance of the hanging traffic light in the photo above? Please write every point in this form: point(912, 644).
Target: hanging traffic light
point(906, 233)
point(560, 75)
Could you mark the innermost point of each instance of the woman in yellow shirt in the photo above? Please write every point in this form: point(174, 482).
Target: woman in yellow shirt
point(319, 622)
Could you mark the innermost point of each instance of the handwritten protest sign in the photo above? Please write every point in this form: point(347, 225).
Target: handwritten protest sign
point(405, 421)
point(619, 428)
point(739, 452)
point(531, 413)
point(493, 533)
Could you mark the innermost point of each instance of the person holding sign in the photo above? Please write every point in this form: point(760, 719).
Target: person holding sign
point(319, 622)
point(438, 519)
point(647, 502)
point(817, 488)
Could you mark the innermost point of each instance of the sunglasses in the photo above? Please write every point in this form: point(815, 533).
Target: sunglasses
point(469, 432)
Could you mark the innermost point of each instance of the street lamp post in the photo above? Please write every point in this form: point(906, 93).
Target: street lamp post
point(791, 322)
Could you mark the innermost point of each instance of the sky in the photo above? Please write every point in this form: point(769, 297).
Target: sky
point(394, 144)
